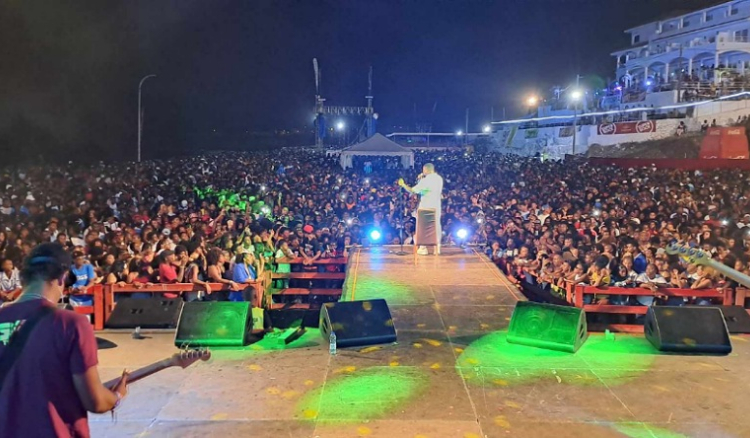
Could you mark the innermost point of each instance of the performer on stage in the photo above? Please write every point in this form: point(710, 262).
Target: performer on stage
point(430, 189)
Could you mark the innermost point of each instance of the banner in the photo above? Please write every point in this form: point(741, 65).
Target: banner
point(627, 127)
point(566, 131)
point(531, 133)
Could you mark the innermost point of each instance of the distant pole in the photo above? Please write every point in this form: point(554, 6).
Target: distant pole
point(575, 120)
point(679, 78)
point(466, 131)
point(503, 113)
point(492, 114)
point(140, 114)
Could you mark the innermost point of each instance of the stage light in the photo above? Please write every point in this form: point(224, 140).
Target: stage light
point(340, 126)
point(532, 100)
point(462, 233)
point(459, 133)
point(576, 94)
point(375, 235)
point(648, 83)
point(487, 129)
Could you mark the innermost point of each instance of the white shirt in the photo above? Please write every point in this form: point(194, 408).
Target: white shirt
point(8, 284)
point(430, 189)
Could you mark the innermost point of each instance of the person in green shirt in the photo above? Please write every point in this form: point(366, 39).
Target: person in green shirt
point(283, 255)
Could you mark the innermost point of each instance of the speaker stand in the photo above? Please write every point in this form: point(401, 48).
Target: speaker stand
point(401, 251)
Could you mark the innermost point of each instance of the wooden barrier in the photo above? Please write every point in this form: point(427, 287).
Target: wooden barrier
point(575, 293)
point(307, 300)
point(740, 295)
point(97, 310)
point(109, 290)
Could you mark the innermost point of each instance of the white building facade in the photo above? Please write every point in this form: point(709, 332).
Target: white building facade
point(705, 46)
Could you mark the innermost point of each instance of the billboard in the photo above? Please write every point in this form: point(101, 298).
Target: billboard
point(627, 127)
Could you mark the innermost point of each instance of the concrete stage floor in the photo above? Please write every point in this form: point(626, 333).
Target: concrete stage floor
point(451, 374)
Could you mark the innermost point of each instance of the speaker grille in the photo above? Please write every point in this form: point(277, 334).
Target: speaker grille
point(213, 324)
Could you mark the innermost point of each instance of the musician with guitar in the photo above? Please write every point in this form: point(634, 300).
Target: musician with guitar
point(48, 357)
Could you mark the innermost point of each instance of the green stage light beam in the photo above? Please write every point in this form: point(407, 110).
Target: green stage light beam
point(363, 394)
point(492, 359)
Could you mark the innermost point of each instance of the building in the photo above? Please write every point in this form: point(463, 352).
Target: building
point(680, 70)
point(696, 44)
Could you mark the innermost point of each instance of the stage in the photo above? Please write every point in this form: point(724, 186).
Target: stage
point(451, 374)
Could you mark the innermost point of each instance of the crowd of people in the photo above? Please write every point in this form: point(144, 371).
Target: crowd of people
point(227, 217)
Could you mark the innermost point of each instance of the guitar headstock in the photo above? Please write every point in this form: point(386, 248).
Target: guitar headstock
point(692, 255)
point(187, 357)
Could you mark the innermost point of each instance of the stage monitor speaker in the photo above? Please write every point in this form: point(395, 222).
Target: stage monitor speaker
point(154, 313)
point(737, 319)
point(687, 329)
point(213, 324)
point(357, 323)
point(561, 328)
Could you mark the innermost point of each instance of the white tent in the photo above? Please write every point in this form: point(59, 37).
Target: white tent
point(377, 146)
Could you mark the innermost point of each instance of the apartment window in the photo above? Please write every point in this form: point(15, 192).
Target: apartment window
point(636, 39)
point(686, 22)
point(741, 35)
point(734, 10)
point(709, 16)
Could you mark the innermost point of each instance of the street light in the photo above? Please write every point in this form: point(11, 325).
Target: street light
point(340, 126)
point(140, 114)
point(487, 129)
point(575, 96)
point(459, 133)
point(532, 100)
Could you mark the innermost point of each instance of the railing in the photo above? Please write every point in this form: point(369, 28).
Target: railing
point(575, 294)
point(297, 292)
point(96, 312)
point(104, 300)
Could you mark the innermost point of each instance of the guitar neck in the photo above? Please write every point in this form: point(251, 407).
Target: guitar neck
point(728, 272)
point(144, 372)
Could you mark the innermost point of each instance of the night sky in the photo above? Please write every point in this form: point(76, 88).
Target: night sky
point(69, 70)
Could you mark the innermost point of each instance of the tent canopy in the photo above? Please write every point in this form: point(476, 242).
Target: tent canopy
point(377, 146)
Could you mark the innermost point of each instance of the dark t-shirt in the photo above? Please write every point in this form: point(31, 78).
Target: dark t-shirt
point(38, 397)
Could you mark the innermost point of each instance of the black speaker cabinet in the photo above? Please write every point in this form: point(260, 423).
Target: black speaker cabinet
point(214, 324)
point(357, 323)
point(561, 328)
point(155, 313)
point(737, 319)
point(687, 329)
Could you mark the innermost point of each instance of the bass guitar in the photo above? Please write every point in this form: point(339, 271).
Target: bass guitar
point(183, 359)
point(700, 257)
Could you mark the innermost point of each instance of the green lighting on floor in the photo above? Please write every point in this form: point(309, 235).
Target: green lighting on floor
point(491, 359)
point(370, 288)
point(271, 342)
point(643, 430)
point(363, 394)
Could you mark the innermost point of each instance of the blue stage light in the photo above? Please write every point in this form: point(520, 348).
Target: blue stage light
point(375, 235)
point(462, 233)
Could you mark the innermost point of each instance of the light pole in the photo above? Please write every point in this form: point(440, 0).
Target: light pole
point(341, 126)
point(575, 96)
point(531, 102)
point(140, 114)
